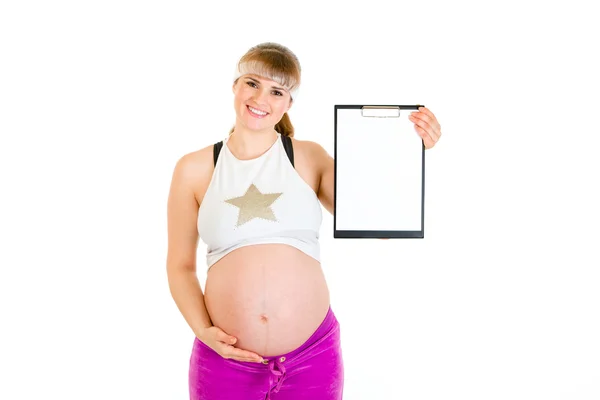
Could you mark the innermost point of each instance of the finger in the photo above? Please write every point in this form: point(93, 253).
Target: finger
point(427, 139)
point(225, 338)
point(427, 111)
point(435, 135)
point(233, 352)
point(420, 119)
point(245, 359)
point(249, 359)
point(420, 116)
point(419, 122)
point(248, 355)
point(252, 360)
point(429, 117)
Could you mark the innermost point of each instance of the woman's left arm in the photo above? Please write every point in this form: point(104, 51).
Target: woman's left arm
point(427, 127)
point(326, 174)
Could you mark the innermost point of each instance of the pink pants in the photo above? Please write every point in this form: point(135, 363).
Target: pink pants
point(314, 371)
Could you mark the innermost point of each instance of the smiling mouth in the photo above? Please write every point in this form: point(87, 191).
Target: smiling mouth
point(257, 113)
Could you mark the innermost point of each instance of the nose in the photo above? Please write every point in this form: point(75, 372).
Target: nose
point(261, 96)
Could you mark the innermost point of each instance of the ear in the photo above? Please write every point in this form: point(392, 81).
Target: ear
point(291, 104)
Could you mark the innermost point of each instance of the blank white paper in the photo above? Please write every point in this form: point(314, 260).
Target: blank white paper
point(379, 172)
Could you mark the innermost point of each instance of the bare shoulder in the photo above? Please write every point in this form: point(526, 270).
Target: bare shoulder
point(198, 158)
point(194, 171)
point(310, 152)
point(320, 165)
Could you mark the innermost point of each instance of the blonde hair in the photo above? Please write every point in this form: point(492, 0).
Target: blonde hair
point(275, 62)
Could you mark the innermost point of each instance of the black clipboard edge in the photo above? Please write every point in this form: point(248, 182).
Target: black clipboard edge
point(355, 106)
point(375, 234)
point(378, 234)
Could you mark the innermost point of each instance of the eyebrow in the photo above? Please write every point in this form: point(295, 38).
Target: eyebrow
point(274, 87)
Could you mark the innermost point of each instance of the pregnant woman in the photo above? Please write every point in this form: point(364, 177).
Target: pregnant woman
point(264, 328)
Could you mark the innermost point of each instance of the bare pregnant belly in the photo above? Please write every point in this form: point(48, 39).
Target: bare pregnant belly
point(272, 297)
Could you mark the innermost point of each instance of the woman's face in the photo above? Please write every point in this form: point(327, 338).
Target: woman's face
point(259, 102)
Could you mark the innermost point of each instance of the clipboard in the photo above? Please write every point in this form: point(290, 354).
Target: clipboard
point(379, 178)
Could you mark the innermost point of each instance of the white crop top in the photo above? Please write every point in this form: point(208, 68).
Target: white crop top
point(257, 201)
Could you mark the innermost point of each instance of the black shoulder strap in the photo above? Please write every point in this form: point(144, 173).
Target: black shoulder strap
point(287, 145)
point(216, 150)
point(289, 149)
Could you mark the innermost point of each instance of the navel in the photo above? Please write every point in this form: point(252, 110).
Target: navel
point(264, 319)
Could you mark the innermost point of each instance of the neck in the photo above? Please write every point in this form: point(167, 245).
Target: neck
point(248, 144)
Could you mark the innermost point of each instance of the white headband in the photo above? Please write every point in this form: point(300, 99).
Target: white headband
point(293, 93)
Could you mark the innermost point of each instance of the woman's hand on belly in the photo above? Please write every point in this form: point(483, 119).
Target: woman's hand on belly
point(215, 338)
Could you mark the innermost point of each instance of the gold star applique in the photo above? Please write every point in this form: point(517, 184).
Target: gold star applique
point(254, 204)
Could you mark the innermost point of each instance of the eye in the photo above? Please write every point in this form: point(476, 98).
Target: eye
point(251, 84)
point(278, 93)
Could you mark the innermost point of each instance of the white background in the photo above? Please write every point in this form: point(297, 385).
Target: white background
point(98, 100)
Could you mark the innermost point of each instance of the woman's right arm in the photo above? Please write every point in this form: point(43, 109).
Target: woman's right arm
point(192, 172)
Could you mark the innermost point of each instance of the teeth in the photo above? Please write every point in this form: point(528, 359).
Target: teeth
point(254, 110)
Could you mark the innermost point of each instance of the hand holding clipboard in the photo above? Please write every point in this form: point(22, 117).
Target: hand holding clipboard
point(379, 180)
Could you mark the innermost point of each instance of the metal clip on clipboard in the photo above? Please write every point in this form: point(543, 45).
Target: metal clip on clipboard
point(380, 111)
